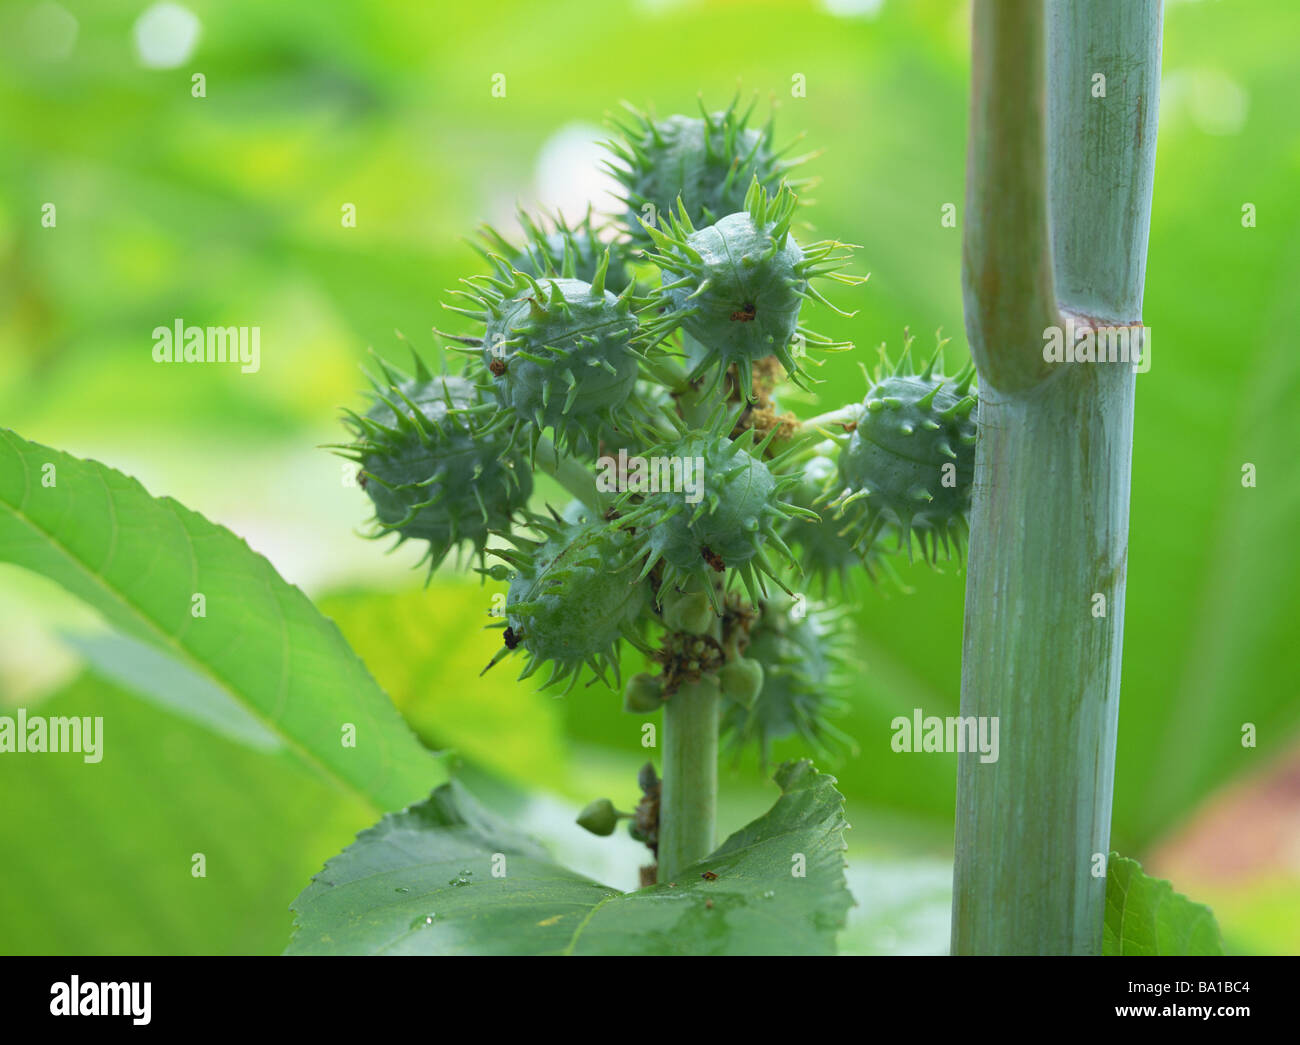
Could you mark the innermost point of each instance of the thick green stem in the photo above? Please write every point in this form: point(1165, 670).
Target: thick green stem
point(1049, 535)
point(1061, 154)
point(688, 801)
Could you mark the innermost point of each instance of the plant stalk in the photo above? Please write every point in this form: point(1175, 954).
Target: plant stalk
point(570, 473)
point(688, 801)
point(1059, 192)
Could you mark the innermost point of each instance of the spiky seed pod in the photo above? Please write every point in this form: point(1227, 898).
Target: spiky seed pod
point(737, 287)
point(719, 518)
point(801, 657)
point(708, 161)
point(824, 553)
point(429, 471)
point(910, 461)
point(559, 353)
point(568, 603)
point(574, 251)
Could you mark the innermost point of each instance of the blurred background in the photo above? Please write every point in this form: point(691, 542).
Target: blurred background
point(219, 200)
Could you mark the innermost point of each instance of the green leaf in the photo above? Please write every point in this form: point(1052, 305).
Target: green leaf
point(150, 673)
point(422, 882)
point(99, 859)
point(418, 641)
point(1145, 916)
point(144, 561)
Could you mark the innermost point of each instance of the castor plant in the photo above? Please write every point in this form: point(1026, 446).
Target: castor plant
point(634, 366)
point(698, 502)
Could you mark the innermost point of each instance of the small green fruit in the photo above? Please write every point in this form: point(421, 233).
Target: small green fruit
point(910, 461)
point(800, 650)
point(688, 611)
point(707, 162)
point(431, 473)
point(643, 693)
point(599, 817)
point(741, 679)
point(569, 603)
point(568, 250)
point(736, 287)
point(721, 522)
point(557, 353)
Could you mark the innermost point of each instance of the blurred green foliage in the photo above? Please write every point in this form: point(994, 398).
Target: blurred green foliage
point(226, 210)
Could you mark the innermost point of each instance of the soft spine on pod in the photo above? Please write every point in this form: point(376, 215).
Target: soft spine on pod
point(909, 461)
point(430, 472)
point(737, 287)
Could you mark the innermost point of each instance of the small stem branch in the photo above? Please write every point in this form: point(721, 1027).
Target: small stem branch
point(570, 473)
point(667, 373)
point(691, 400)
point(831, 419)
point(688, 801)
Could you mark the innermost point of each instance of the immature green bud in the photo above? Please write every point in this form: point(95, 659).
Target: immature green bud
point(707, 161)
point(801, 653)
point(643, 692)
point(742, 680)
point(737, 287)
point(431, 472)
point(569, 603)
point(599, 817)
point(558, 353)
point(687, 611)
point(724, 525)
point(910, 461)
point(554, 247)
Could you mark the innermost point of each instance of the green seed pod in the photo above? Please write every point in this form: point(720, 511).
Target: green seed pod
point(736, 287)
point(429, 472)
point(643, 693)
point(910, 461)
point(599, 817)
point(688, 611)
point(569, 603)
point(574, 251)
point(727, 508)
point(558, 353)
point(825, 549)
point(741, 679)
point(707, 161)
point(799, 649)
